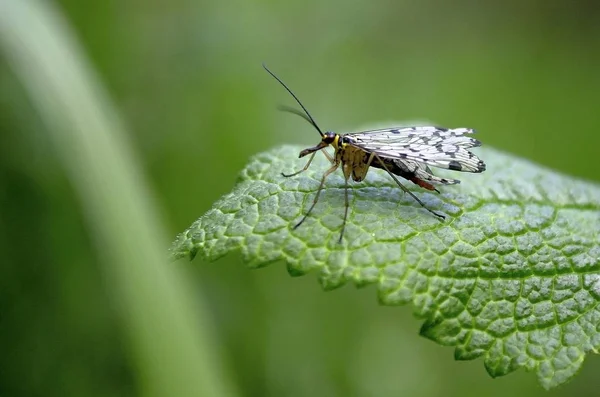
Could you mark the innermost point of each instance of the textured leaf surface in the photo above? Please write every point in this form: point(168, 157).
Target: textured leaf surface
point(512, 275)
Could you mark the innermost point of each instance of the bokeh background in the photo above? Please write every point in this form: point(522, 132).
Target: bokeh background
point(186, 78)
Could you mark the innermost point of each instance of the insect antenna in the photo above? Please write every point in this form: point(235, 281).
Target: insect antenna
point(308, 117)
point(295, 111)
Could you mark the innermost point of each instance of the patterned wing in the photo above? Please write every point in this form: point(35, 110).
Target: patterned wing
point(422, 171)
point(434, 146)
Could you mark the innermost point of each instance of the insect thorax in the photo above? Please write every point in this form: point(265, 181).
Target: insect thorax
point(355, 161)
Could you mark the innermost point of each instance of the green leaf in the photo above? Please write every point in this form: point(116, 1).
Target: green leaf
point(512, 275)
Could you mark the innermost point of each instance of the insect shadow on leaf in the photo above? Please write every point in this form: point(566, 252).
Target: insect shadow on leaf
point(403, 151)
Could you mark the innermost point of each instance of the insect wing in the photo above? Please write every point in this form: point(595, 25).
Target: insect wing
point(438, 147)
point(422, 171)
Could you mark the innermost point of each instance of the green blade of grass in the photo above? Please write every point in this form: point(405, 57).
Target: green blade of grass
point(170, 343)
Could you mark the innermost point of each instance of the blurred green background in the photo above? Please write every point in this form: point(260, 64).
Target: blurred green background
point(186, 77)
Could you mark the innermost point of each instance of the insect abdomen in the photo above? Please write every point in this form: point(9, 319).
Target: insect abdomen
point(393, 167)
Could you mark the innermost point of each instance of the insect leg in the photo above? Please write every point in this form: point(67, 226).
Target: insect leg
point(325, 175)
point(347, 200)
point(347, 205)
point(406, 190)
point(312, 156)
point(327, 155)
point(308, 164)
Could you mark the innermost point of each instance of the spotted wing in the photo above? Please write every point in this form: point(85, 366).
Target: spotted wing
point(434, 146)
point(422, 171)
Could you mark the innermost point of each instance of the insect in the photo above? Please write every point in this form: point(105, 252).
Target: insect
point(406, 152)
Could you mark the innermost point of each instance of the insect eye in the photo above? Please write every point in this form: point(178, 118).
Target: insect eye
point(329, 137)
